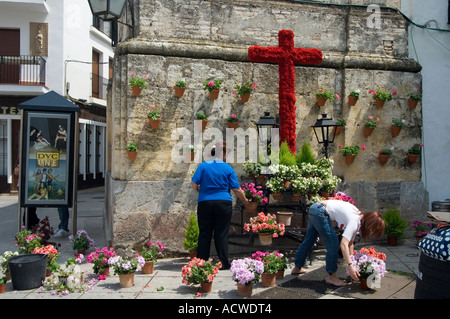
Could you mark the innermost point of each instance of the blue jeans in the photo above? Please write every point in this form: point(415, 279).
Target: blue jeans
point(319, 223)
point(63, 213)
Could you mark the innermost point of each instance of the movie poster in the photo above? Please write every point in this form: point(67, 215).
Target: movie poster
point(47, 154)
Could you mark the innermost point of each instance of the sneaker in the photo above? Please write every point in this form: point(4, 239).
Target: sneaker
point(61, 233)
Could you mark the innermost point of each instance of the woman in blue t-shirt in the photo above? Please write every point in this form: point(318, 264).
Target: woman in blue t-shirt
point(213, 180)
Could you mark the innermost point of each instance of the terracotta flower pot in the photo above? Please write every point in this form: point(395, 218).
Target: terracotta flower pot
point(349, 159)
point(204, 123)
point(206, 286)
point(179, 91)
point(214, 94)
point(132, 155)
point(296, 197)
point(233, 125)
point(136, 90)
point(190, 156)
point(395, 130)
point(154, 124)
point(251, 208)
point(276, 196)
point(192, 254)
point(352, 100)
point(265, 239)
point(245, 290)
point(412, 158)
point(383, 158)
point(148, 267)
point(321, 101)
point(285, 218)
point(412, 104)
point(245, 97)
point(105, 271)
point(2, 288)
point(338, 130)
point(279, 274)
point(126, 280)
point(368, 131)
point(379, 103)
point(268, 280)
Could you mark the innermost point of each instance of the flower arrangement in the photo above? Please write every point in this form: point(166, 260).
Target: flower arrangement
point(99, 258)
point(3, 270)
point(68, 279)
point(215, 84)
point(265, 224)
point(81, 242)
point(421, 229)
point(415, 149)
point(371, 122)
point(381, 95)
point(308, 169)
point(232, 118)
point(245, 88)
point(276, 184)
point(386, 151)
point(153, 113)
point(150, 250)
point(369, 262)
point(27, 241)
point(299, 185)
point(131, 145)
point(343, 197)
point(397, 123)
point(4, 260)
point(124, 265)
point(350, 150)
point(251, 168)
point(273, 262)
point(246, 271)
point(355, 93)
point(254, 193)
point(181, 84)
point(329, 184)
point(140, 82)
point(314, 184)
point(321, 92)
point(199, 271)
point(416, 95)
point(201, 116)
point(52, 256)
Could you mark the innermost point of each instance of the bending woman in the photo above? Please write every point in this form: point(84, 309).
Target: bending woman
point(320, 217)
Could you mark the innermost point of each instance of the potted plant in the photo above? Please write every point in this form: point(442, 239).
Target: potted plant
point(266, 226)
point(370, 124)
point(254, 195)
point(299, 186)
point(213, 87)
point(272, 264)
point(154, 116)
point(340, 126)
point(131, 148)
point(150, 252)
point(3, 271)
point(27, 241)
point(126, 267)
point(421, 229)
point(396, 126)
point(314, 184)
point(180, 87)
point(190, 242)
point(395, 226)
point(413, 99)
point(329, 185)
point(233, 121)
point(381, 97)
point(276, 186)
point(384, 154)
point(252, 169)
point(245, 272)
point(99, 258)
point(369, 263)
point(353, 97)
point(244, 90)
point(202, 117)
point(52, 257)
point(4, 261)
point(414, 152)
point(350, 152)
point(322, 96)
point(199, 271)
point(81, 242)
point(137, 84)
point(190, 155)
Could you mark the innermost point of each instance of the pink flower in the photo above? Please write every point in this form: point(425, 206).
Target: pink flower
point(363, 147)
point(133, 74)
point(211, 83)
point(233, 116)
point(394, 92)
point(370, 117)
point(234, 92)
point(253, 85)
point(378, 119)
point(374, 93)
point(152, 106)
point(340, 146)
point(370, 91)
point(337, 96)
point(145, 77)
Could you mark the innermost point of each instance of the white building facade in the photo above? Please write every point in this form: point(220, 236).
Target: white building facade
point(54, 45)
point(429, 44)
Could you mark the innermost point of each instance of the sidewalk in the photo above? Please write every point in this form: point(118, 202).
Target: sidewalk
point(165, 282)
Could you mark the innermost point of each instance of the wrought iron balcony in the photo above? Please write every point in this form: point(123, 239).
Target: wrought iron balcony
point(22, 70)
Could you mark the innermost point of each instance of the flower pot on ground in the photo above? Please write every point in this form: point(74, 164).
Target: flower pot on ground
point(245, 290)
point(199, 271)
point(273, 262)
point(52, 258)
point(370, 265)
point(125, 267)
point(421, 229)
point(206, 286)
point(150, 252)
point(2, 287)
point(81, 241)
point(268, 280)
point(285, 218)
point(245, 272)
point(395, 224)
point(148, 267)
point(213, 86)
point(190, 242)
point(179, 87)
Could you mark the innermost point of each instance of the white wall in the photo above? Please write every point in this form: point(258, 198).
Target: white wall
point(432, 50)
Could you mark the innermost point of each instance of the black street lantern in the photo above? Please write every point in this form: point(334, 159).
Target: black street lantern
point(265, 127)
point(107, 9)
point(323, 137)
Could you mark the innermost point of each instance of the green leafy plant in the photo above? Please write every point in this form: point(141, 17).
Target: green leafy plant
point(341, 122)
point(321, 92)
point(210, 85)
point(150, 251)
point(27, 241)
point(126, 265)
point(199, 271)
point(371, 122)
point(81, 241)
point(285, 155)
point(201, 116)
point(350, 150)
point(131, 146)
point(415, 149)
point(355, 93)
point(190, 242)
point(381, 95)
point(153, 112)
point(181, 84)
point(305, 155)
point(395, 224)
point(386, 151)
point(416, 95)
point(276, 184)
point(397, 123)
point(245, 88)
point(141, 82)
point(232, 118)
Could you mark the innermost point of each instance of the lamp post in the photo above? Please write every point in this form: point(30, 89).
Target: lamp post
point(323, 137)
point(265, 127)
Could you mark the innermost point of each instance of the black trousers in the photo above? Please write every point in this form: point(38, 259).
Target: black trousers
point(214, 217)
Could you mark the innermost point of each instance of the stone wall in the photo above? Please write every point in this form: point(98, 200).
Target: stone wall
point(199, 40)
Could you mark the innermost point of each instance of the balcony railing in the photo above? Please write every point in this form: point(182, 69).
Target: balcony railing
point(22, 70)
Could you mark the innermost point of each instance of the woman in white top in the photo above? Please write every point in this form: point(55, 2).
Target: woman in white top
point(348, 218)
